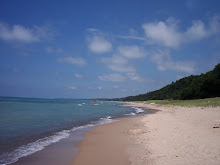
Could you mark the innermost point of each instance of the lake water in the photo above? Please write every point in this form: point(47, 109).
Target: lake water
point(28, 125)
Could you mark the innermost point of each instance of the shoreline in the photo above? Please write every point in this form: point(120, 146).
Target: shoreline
point(65, 149)
point(173, 135)
point(107, 144)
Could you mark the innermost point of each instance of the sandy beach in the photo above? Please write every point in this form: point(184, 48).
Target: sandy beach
point(173, 135)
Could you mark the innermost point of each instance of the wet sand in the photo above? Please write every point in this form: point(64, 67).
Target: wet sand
point(106, 144)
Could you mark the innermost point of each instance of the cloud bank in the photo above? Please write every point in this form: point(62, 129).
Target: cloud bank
point(167, 33)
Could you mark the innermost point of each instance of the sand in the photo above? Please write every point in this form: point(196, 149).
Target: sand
point(173, 135)
point(105, 145)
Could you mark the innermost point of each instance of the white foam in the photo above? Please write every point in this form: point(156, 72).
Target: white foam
point(81, 127)
point(79, 104)
point(108, 117)
point(138, 110)
point(83, 103)
point(38, 145)
point(96, 104)
point(106, 120)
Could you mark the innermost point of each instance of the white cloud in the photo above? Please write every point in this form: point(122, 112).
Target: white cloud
point(196, 32)
point(73, 87)
point(75, 61)
point(131, 51)
point(123, 90)
point(134, 77)
point(17, 33)
point(24, 34)
point(78, 75)
point(164, 33)
point(167, 33)
point(115, 59)
point(99, 88)
point(115, 87)
point(99, 45)
point(164, 62)
point(118, 63)
point(112, 77)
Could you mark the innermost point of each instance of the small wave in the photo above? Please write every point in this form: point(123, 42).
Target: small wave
point(96, 104)
point(81, 127)
point(80, 105)
point(38, 145)
point(83, 103)
point(106, 120)
point(138, 110)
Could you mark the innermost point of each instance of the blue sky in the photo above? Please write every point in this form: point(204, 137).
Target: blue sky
point(90, 49)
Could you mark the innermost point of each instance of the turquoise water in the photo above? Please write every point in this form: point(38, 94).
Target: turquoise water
point(28, 125)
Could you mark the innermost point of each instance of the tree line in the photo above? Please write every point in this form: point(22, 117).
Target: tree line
point(192, 87)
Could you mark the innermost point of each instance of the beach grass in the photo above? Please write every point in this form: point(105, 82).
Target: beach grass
point(208, 102)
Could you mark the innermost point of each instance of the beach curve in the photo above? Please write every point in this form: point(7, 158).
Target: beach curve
point(174, 135)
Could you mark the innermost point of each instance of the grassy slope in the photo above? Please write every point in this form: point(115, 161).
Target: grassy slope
point(209, 102)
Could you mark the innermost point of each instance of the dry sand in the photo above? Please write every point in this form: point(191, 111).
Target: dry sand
point(177, 135)
point(174, 135)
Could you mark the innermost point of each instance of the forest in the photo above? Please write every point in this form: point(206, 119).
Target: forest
point(192, 87)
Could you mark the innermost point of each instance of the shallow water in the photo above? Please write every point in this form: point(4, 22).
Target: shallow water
point(29, 125)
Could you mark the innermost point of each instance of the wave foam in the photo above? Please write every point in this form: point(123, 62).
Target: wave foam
point(38, 145)
point(138, 110)
point(106, 120)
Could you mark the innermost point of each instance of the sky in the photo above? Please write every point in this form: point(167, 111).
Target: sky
point(104, 49)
